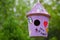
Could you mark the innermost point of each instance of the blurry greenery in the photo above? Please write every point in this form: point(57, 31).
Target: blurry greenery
point(13, 20)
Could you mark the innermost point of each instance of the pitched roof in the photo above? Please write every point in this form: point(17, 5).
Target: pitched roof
point(38, 9)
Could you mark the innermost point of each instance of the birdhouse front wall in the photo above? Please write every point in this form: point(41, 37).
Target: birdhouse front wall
point(38, 26)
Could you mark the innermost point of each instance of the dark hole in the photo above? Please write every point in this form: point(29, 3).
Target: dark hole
point(36, 22)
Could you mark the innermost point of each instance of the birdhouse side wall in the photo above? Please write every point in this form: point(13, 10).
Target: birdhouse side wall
point(38, 26)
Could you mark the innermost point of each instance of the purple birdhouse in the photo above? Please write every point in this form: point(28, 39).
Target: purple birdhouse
point(38, 19)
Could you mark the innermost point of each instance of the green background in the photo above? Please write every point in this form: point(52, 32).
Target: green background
point(14, 24)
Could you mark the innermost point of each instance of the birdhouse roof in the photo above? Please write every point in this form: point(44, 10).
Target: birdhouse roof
point(38, 9)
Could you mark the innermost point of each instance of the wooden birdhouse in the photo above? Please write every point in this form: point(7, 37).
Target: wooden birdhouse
point(38, 19)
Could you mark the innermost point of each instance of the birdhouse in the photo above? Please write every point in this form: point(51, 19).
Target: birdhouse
point(38, 19)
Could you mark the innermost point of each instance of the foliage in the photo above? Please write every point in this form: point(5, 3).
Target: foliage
point(13, 20)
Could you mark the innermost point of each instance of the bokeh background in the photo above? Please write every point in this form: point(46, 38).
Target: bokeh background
point(14, 24)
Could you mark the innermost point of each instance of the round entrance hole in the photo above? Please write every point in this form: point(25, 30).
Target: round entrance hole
point(36, 22)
